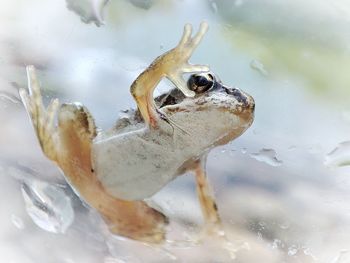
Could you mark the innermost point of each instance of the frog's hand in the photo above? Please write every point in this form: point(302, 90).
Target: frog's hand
point(178, 58)
point(42, 119)
point(172, 64)
point(133, 219)
point(206, 198)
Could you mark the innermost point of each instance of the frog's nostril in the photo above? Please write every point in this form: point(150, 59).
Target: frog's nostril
point(239, 95)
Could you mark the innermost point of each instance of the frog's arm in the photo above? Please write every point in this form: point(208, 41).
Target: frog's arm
point(172, 64)
point(69, 145)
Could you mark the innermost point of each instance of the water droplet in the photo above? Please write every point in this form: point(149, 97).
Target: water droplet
point(145, 4)
point(238, 2)
point(342, 257)
point(315, 149)
point(258, 66)
point(48, 206)
point(89, 11)
point(213, 6)
point(9, 97)
point(262, 225)
point(221, 233)
point(260, 237)
point(232, 152)
point(292, 147)
point(346, 116)
point(307, 252)
point(267, 156)
point(227, 28)
point(113, 260)
point(277, 243)
point(284, 225)
point(292, 250)
point(17, 221)
point(340, 156)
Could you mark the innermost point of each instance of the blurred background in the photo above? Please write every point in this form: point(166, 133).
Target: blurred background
point(283, 187)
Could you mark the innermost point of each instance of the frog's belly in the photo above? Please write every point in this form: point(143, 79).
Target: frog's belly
point(134, 169)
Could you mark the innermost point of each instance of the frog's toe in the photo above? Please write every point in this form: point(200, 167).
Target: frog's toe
point(51, 113)
point(186, 37)
point(181, 84)
point(25, 99)
point(203, 28)
point(195, 68)
point(178, 80)
point(190, 42)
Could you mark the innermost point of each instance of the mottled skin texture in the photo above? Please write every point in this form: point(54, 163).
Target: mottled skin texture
point(171, 126)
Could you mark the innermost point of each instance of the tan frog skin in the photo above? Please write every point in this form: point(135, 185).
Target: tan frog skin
point(115, 170)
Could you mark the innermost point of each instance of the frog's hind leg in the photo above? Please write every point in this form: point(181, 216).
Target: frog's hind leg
point(69, 145)
point(172, 64)
point(133, 219)
point(206, 199)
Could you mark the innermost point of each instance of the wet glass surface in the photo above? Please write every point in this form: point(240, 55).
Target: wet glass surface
point(282, 188)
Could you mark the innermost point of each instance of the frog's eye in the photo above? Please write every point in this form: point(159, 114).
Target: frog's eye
point(200, 83)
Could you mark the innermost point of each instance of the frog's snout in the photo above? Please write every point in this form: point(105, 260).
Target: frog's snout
point(243, 98)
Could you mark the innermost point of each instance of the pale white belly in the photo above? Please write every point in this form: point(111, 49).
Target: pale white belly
point(136, 165)
point(133, 167)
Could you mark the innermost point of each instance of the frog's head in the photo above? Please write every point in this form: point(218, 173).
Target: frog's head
point(208, 84)
point(218, 112)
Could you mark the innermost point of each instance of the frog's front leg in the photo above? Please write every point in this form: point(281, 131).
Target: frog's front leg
point(206, 198)
point(69, 145)
point(172, 64)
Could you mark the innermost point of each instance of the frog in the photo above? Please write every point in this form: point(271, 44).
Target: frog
point(117, 170)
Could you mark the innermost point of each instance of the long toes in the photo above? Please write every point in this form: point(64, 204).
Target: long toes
point(181, 84)
point(51, 112)
point(186, 34)
point(203, 28)
point(33, 83)
point(35, 98)
point(195, 68)
point(25, 99)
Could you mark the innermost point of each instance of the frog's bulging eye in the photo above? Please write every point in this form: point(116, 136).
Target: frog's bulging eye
point(200, 83)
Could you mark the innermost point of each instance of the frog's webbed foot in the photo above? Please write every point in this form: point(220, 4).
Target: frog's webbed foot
point(172, 64)
point(42, 119)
